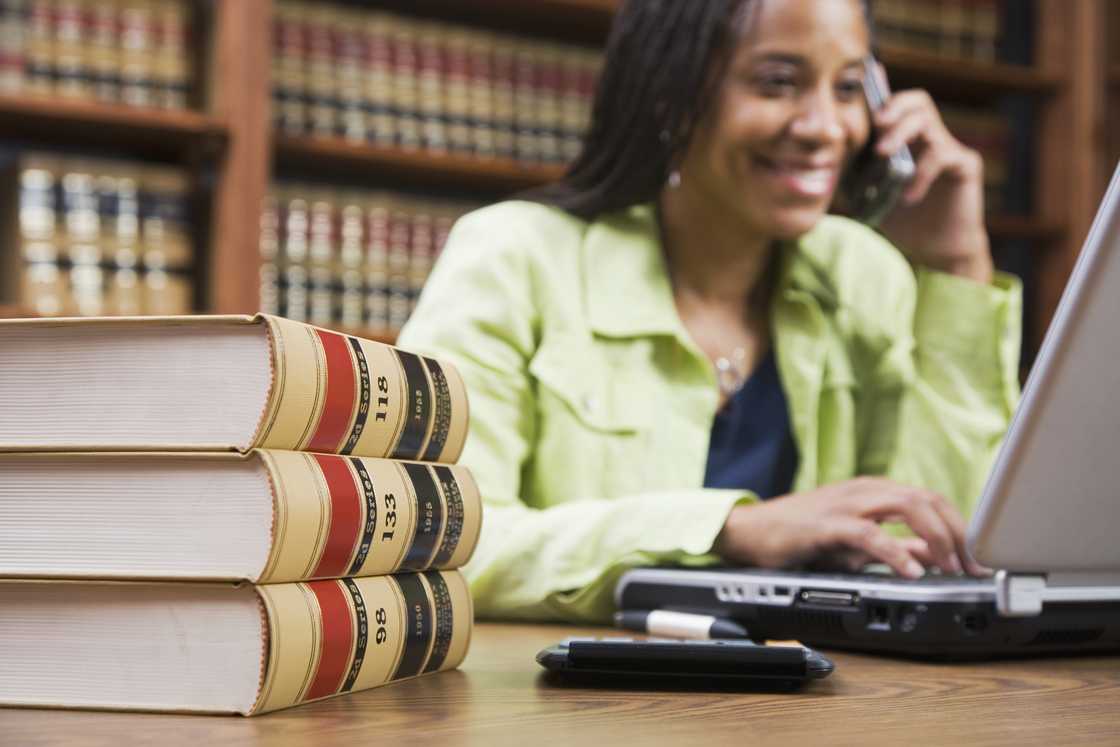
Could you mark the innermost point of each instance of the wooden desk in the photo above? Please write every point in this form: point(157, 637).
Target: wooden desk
point(497, 698)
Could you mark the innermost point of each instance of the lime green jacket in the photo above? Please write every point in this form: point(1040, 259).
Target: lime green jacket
point(591, 408)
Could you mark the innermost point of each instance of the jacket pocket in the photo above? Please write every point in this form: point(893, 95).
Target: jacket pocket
point(574, 374)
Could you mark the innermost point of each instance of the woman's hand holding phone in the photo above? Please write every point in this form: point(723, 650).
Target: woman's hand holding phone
point(939, 223)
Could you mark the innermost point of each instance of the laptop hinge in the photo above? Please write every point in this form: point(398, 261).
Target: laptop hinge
point(1023, 594)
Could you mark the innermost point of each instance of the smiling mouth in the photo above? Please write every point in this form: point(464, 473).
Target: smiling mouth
point(803, 180)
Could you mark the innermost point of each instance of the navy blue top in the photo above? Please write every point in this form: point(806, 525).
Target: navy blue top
point(752, 445)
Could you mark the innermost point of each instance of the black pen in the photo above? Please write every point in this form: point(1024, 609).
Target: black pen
point(679, 624)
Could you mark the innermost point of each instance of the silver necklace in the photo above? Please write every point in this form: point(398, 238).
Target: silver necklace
point(731, 372)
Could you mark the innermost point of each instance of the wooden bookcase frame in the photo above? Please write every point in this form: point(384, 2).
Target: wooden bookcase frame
point(232, 137)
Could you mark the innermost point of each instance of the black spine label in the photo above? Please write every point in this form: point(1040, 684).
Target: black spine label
point(419, 407)
point(444, 621)
point(441, 417)
point(418, 632)
point(429, 518)
point(453, 530)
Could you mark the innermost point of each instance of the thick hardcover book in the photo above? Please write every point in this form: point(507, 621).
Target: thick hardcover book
point(222, 383)
point(266, 517)
point(224, 648)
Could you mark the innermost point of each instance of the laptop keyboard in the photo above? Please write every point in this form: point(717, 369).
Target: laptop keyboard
point(930, 579)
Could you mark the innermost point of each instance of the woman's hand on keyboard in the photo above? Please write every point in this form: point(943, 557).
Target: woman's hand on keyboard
point(839, 526)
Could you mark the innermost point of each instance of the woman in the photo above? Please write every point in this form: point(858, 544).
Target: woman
point(677, 331)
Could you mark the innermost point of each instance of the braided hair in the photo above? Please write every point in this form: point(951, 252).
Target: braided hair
point(665, 60)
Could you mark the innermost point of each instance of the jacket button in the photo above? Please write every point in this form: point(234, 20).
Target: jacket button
point(590, 403)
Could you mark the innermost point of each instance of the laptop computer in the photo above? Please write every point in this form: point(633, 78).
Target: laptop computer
point(1049, 519)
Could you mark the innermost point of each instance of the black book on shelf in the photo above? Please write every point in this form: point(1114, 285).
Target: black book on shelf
point(1016, 44)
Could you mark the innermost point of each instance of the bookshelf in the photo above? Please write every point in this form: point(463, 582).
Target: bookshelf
point(133, 129)
point(230, 137)
point(932, 71)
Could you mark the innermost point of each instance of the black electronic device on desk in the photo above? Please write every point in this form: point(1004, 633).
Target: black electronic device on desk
point(683, 665)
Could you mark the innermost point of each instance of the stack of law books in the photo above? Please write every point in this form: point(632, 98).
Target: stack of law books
point(225, 514)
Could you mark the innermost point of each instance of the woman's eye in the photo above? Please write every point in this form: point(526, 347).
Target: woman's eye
point(849, 90)
point(777, 84)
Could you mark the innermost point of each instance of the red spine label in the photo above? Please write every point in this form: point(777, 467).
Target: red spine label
point(341, 394)
point(338, 639)
point(346, 517)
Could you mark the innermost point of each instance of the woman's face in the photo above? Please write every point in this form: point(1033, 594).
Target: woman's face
point(787, 117)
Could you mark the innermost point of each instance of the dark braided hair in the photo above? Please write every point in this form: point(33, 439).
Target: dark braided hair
point(665, 60)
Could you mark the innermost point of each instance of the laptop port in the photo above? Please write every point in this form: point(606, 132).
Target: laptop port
point(878, 617)
point(829, 598)
point(974, 623)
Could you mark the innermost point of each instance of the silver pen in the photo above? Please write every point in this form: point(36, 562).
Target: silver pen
point(679, 624)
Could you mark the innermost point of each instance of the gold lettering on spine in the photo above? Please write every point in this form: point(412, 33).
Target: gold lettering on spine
point(388, 396)
point(396, 517)
point(381, 658)
point(472, 516)
point(463, 611)
point(460, 414)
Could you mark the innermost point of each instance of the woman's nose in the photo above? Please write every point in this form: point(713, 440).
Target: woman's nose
point(818, 119)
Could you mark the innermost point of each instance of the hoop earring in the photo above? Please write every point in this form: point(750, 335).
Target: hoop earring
point(674, 180)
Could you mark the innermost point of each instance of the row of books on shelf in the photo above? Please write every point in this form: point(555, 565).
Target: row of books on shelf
point(1000, 137)
point(390, 79)
point(133, 52)
point(970, 29)
point(226, 514)
point(990, 133)
point(350, 258)
point(94, 236)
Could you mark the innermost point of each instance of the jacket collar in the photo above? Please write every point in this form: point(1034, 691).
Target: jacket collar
point(626, 282)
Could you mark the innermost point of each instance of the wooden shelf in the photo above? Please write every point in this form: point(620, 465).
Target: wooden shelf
point(600, 11)
point(955, 77)
point(420, 168)
point(9, 311)
point(132, 129)
point(1023, 227)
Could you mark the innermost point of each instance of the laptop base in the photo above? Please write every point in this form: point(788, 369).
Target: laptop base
point(945, 618)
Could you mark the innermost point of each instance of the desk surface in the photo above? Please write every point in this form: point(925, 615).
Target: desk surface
point(498, 698)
